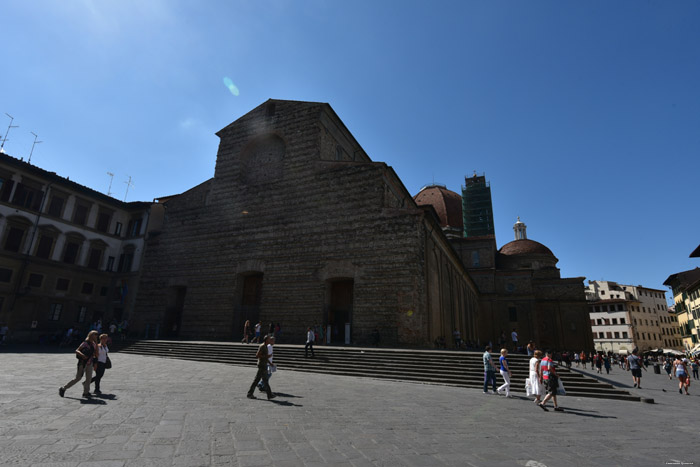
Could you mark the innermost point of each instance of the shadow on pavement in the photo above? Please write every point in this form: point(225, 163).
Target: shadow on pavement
point(581, 413)
point(285, 403)
point(92, 401)
point(281, 394)
point(110, 397)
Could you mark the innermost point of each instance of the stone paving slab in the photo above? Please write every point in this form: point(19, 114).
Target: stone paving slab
point(162, 412)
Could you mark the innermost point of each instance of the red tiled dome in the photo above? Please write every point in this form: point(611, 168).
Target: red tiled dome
point(446, 203)
point(524, 247)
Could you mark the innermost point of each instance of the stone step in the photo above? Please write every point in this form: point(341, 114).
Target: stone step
point(455, 368)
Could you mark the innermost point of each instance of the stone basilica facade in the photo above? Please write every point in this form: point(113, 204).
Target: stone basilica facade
point(300, 227)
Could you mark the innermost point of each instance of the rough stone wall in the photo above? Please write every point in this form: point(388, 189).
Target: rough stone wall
point(295, 198)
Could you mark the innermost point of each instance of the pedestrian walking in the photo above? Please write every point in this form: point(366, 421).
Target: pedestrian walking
point(514, 338)
point(262, 356)
point(682, 374)
point(551, 382)
point(489, 371)
point(258, 328)
point(668, 366)
point(577, 359)
point(310, 339)
point(505, 373)
point(598, 363)
point(102, 358)
point(536, 386)
point(634, 364)
point(694, 365)
point(606, 364)
point(85, 353)
point(271, 367)
point(583, 359)
point(246, 332)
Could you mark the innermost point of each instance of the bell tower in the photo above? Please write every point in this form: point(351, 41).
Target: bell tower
point(520, 230)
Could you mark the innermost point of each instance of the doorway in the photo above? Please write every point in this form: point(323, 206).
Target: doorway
point(248, 308)
point(173, 311)
point(340, 300)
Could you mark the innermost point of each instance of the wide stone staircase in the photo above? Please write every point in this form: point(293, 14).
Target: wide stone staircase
point(446, 367)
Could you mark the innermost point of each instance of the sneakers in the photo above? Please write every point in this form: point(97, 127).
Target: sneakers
point(680, 391)
point(251, 396)
point(61, 391)
point(87, 395)
point(558, 409)
point(272, 396)
point(97, 391)
point(542, 407)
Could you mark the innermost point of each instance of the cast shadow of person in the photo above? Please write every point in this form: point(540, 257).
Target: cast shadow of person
point(92, 401)
point(111, 397)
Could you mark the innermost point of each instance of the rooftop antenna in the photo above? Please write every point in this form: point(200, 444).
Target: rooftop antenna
point(128, 184)
point(111, 177)
point(2, 146)
point(29, 161)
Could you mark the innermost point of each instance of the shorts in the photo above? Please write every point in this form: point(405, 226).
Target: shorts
point(551, 385)
point(637, 372)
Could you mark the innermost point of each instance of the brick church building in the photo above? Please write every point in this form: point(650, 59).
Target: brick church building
point(300, 227)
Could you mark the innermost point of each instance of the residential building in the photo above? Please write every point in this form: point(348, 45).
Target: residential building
point(670, 329)
point(685, 287)
point(645, 310)
point(69, 255)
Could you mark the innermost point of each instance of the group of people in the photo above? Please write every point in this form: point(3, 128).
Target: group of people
point(543, 381)
point(92, 355)
point(254, 334)
point(71, 335)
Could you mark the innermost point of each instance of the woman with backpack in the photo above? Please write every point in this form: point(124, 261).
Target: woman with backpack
point(86, 354)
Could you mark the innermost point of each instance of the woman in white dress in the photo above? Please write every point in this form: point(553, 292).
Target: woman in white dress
point(536, 386)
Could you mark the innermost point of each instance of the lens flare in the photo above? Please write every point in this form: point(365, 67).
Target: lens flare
point(231, 87)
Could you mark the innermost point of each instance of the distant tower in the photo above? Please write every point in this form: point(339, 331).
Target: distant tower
point(477, 211)
point(520, 230)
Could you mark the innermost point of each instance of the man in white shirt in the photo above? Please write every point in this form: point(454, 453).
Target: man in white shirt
point(271, 367)
point(310, 338)
point(514, 338)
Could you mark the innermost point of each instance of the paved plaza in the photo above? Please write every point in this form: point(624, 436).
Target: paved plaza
point(162, 412)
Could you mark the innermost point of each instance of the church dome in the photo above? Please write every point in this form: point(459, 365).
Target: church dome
point(524, 247)
point(446, 203)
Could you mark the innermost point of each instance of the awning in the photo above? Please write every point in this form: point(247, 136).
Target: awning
point(673, 352)
point(695, 350)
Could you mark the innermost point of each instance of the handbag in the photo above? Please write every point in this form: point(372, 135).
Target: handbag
point(108, 364)
point(528, 387)
point(560, 389)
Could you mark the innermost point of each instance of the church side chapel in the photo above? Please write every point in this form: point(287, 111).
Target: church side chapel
point(520, 286)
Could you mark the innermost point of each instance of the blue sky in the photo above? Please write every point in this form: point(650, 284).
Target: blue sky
point(584, 116)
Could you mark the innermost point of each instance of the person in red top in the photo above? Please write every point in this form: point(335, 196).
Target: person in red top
point(551, 381)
